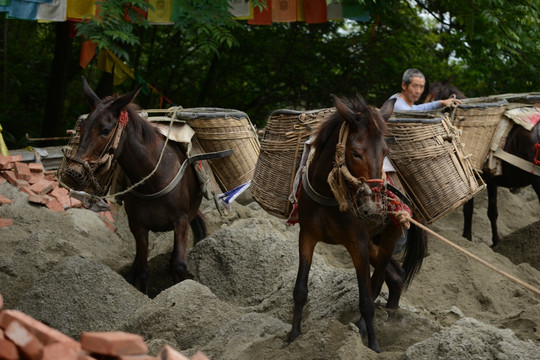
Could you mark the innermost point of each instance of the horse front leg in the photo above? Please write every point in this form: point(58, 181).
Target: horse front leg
point(139, 270)
point(380, 255)
point(178, 255)
point(306, 247)
point(394, 279)
point(493, 213)
point(468, 210)
point(359, 252)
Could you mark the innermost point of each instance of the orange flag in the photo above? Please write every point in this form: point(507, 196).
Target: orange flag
point(88, 50)
point(263, 17)
point(315, 11)
point(283, 10)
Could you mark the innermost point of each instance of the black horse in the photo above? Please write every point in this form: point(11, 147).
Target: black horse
point(521, 143)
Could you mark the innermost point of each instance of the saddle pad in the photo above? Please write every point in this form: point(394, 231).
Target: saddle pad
point(179, 132)
point(526, 116)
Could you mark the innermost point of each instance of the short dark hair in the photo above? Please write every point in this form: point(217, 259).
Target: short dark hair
point(410, 73)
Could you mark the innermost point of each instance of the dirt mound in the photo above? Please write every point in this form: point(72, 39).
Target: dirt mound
point(65, 270)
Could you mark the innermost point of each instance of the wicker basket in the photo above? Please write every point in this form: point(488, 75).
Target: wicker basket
point(428, 157)
point(282, 145)
point(478, 118)
point(219, 129)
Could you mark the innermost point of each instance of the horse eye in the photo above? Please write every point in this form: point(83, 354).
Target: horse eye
point(356, 155)
point(105, 131)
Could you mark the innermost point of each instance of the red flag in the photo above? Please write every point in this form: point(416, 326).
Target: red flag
point(283, 10)
point(315, 11)
point(263, 17)
point(88, 50)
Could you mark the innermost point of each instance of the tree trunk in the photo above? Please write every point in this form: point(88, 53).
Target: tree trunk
point(52, 123)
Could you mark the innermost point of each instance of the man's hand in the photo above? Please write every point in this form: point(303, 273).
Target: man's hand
point(453, 102)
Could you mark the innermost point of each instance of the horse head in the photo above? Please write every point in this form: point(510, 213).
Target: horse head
point(99, 140)
point(356, 179)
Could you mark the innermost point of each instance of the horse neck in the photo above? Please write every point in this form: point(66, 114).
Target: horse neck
point(139, 158)
point(322, 164)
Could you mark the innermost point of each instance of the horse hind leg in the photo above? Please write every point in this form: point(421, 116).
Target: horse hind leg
point(394, 275)
point(198, 227)
point(300, 292)
point(468, 209)
point(493, 213)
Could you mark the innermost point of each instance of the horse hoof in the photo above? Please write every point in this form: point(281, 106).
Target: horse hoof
point(375, 347)
point(361, 325)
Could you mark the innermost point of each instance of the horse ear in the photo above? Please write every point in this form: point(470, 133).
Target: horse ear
point(387, 108)
point(123, 100)
point(344, 110)
point(91, 96)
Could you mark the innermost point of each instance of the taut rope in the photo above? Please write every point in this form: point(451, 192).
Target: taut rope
point(471, 255)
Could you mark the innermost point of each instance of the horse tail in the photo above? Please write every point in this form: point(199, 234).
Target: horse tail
point(198, 226)
point(415, 251)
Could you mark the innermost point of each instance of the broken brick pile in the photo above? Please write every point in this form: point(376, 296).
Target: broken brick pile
point(41, 187)
point(25, 338)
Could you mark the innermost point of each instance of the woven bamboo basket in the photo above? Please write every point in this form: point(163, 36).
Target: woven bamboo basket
point(478, 118)
point(282, 146)
point(427, 154)
point(219, 129)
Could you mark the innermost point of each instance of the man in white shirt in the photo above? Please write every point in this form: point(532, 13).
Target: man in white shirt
point(412, 87)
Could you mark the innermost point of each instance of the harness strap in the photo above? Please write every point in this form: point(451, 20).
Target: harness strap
point(517, 162)
point(167, 189)
point(314, 195)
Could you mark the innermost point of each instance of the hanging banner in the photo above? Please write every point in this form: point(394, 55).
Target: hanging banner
point(78, 9)
point(241, 9)
point(315, 11)
point(263, 17)
point(161, 15)
point(55, 11)
point(334, 10)
point(283, 10)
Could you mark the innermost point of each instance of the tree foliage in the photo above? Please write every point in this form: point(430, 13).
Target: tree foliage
point(209, 59)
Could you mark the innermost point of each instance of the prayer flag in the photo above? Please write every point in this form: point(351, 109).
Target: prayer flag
point(263, 17)
point(300, 10)
point(88, 50)
point(55, 11)
point(78, 9)
point(161, 15)
point(315, 11)
point(24, 10)
point(283, 10)
point(334, 10)
point(241, 9)
point(110, 63)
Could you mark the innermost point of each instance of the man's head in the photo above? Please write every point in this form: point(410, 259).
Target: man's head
point(412, 85)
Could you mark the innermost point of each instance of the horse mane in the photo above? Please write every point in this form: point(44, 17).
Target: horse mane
point(444, 91)
point(360, 113)
point(141, 126)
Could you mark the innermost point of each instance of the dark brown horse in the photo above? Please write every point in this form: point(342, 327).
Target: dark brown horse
point(521, 143)
point(138, 148)
point(350, 211)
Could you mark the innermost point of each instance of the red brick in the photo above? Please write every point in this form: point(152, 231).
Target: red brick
point(61, 351)
point(44, 333)
point(135, 357)
point(5, 200)
point(10, 177)
point(5, 222)
point(110, 226)
point(36, 167)
point(8, 162)
point(199, 356)
point(59, 192)
point(38, 199)
point(27, 191)
point(113, 343)
point(42, 187)
point(50, 175)
point(21, 184)
point(26, 342)
point(22, 170)
point(1, 307)
point(8, 350)
point(36, 177)
point(168, 353)
point(55, 206)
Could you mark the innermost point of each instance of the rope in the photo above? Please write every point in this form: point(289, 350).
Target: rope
point(474, 257)
point(113, 196)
